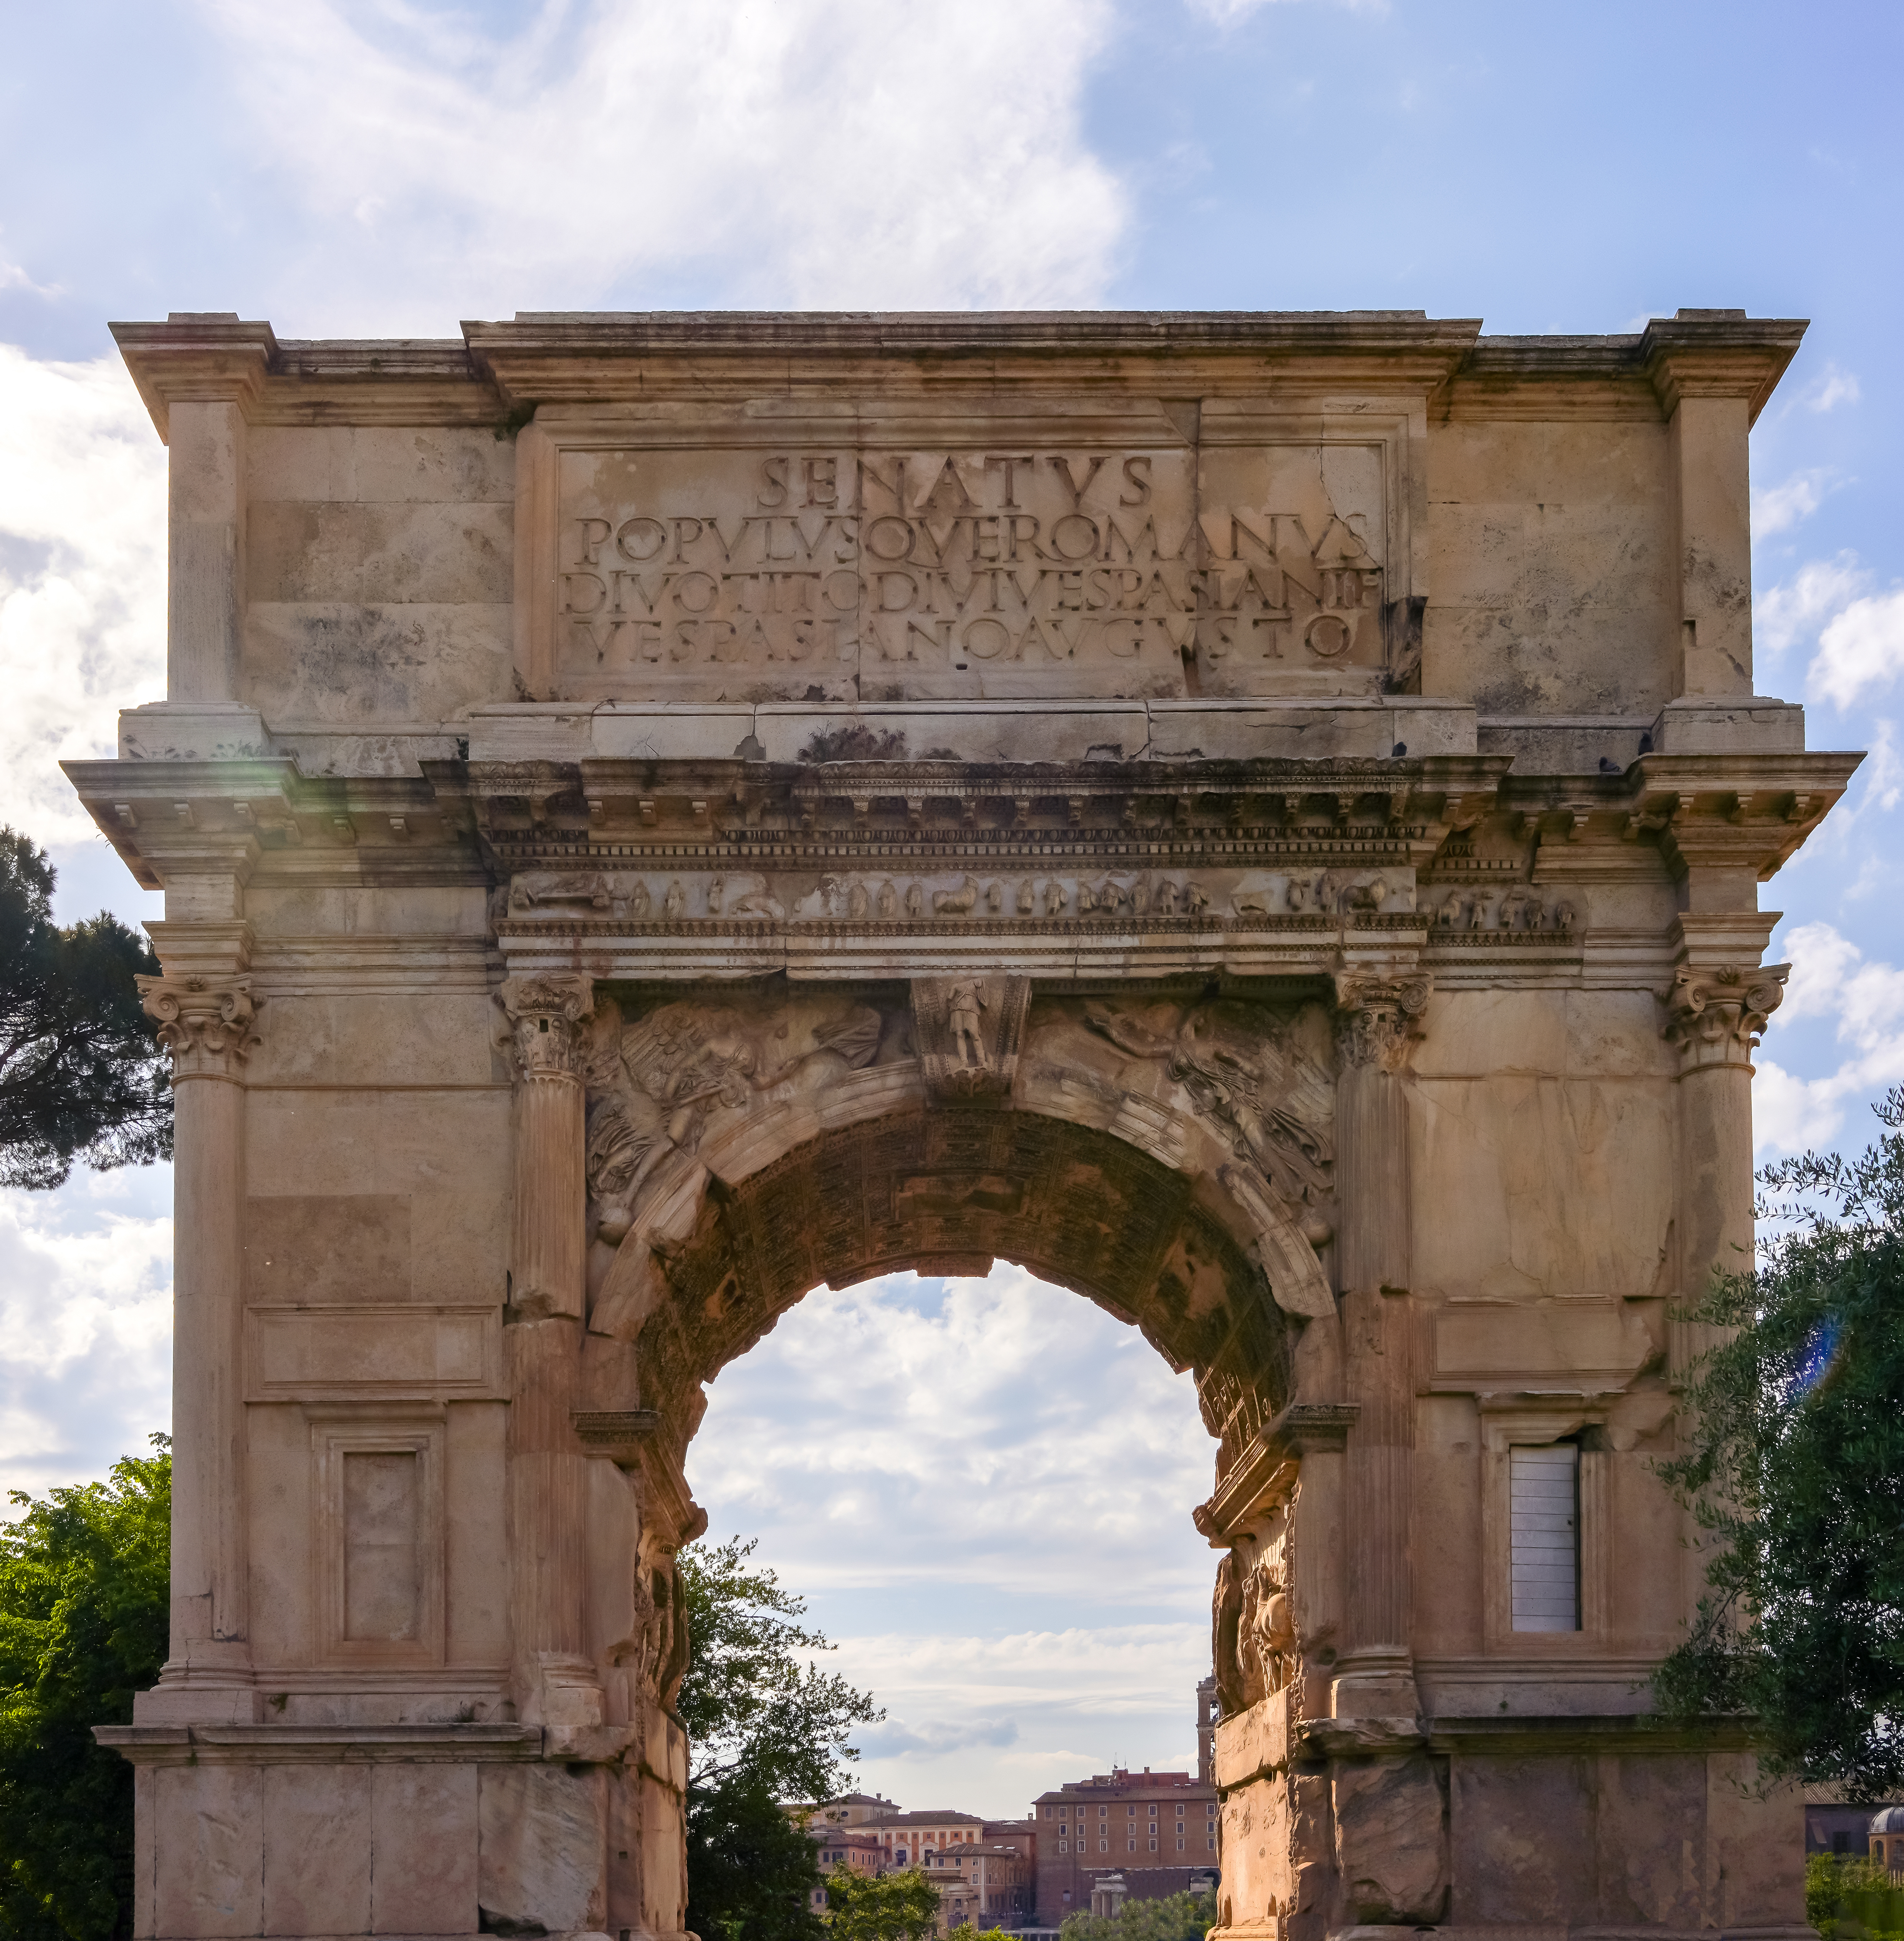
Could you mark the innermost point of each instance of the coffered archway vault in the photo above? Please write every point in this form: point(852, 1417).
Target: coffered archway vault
point(1257, 818)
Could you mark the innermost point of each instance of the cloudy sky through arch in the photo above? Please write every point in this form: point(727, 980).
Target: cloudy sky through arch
point(388, 167)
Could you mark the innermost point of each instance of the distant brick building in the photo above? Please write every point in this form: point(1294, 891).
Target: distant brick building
point(1158, 1830)
point(987, 1883)
point(908, 1838)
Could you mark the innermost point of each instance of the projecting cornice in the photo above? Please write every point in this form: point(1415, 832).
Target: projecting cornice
point(501, 372)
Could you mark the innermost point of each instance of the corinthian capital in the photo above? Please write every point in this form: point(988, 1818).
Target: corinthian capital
point(545, 1013)
point(1376, 1016)
point(1715, 1017)
point(207, 1024)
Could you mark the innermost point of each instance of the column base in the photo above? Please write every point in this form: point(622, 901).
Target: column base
point(200, 1694)
point(1375, 1684)
point(559, 1691)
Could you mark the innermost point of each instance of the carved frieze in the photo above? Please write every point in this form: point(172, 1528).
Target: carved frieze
point(968, 1031)
point(1471, 912)
point(208, 1026)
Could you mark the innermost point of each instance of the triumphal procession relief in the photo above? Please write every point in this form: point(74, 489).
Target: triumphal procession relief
point(1258, 819)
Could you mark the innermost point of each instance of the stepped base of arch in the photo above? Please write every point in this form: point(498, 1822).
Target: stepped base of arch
point(1484, 1829)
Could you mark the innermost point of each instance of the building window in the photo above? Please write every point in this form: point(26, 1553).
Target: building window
point(1153, 1846)
point(1213, 1846)
point(1130, 1846)
point(1544, 1535)
point(1104, 1846)
point(1180, 1846)
point(1064, 1846)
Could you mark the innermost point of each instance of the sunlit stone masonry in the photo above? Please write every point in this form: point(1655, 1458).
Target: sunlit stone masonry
point(1257, 818)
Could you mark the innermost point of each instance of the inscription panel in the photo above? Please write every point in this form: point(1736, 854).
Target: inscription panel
point(905, 572)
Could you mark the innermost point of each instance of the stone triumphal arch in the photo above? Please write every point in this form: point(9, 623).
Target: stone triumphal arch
point(1257, 818)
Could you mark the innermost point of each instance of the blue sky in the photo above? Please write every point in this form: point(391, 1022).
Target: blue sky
point(1020, 1583)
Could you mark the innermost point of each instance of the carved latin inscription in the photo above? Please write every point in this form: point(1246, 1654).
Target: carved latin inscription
point(920, 571)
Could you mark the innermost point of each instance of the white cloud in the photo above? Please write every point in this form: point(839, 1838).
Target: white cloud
point(1830, 978)
point(82, 576)
point(830, 153)
point(1794, 610)
point(85, 1326)
point(1007, 1432)
point(1779, 507)
point(1860, 647)
point(985, 1487)
point(1831, 388)
point(1228, 13)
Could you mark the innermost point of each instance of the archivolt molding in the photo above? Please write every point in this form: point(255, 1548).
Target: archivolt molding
point(1162, 1157)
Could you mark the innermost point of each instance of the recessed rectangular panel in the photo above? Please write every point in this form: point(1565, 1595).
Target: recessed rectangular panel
point(295, 1354)
point(382, 1508)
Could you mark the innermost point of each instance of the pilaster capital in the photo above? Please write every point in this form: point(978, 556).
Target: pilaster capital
point(1378, 1016)
point(207, 1024)
point(1716, 1016)
point(545, 1011)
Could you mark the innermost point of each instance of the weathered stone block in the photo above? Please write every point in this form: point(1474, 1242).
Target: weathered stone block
point(542, 1846)
point(425, 1878)
point(1391, 1837)
point(318, 1828)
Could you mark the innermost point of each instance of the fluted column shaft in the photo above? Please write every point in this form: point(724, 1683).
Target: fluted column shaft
point(555, 1682)
point(207, 1024)
point(1376, 1019)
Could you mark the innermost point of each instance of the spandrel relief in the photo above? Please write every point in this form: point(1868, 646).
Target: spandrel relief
point(1257, 1079)
point(1141, 572)
point(659, 1082)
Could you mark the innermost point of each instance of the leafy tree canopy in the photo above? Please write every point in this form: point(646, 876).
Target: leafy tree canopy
point(81, 1075)
point(1850, 1899)
point(754, 1704)
point(1177, 1916)
point(1792, 1457)
point(765, 1725)
point(85, 1579)
point(899, 1906)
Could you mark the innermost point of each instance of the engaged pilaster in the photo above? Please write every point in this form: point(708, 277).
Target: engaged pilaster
point(556, 1684)
point(208, 1025)
point(1378, 1017)
point(1714, 1014)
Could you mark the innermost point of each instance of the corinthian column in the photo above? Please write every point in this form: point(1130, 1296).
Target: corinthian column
point(207, 1024)
point(1714, 1014)
point(1377, 1017)
point(555, 1682)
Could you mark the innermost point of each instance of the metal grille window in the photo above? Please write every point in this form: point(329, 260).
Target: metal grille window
point(1543, 1536)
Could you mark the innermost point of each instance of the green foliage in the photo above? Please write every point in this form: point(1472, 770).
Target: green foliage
point(1847, 1898)
point(1178, 1916)
point(1792, 1456)
point(764, 1725)
point(754, 1706)
point(84, 1593)
point(81, 1075)
point(899, 1906)
point(751, 1869)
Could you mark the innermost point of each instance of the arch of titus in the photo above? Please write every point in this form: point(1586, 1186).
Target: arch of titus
point(1257, 818)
